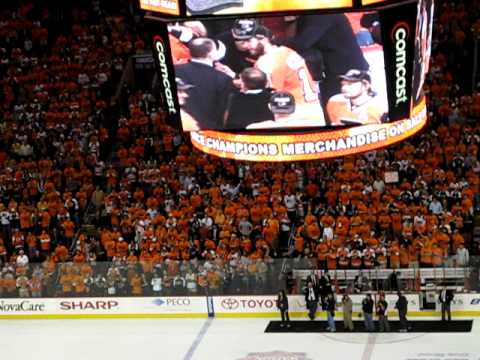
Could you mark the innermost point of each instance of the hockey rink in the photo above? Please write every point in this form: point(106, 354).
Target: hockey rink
point(225, 339)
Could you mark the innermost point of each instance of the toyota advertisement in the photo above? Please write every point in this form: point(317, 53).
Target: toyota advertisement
point(199, 306)
point(224, 305)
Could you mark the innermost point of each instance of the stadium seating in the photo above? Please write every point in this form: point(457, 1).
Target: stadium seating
point(100, 196)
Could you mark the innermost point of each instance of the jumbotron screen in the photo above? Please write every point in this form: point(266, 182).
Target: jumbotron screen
point(280, 72)
point(296, 86)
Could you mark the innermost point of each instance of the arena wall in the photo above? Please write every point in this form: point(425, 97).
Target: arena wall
point(464, 305)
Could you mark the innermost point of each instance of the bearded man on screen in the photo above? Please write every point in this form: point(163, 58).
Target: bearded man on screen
point(287, 72)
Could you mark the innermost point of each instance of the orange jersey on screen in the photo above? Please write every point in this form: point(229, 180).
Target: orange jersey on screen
point(287, 71)
point(180, 51)
point(188, 122)
point(341, 112)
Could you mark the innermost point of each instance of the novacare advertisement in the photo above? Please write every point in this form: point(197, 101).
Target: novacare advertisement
point(105, 307)
point(22, 306)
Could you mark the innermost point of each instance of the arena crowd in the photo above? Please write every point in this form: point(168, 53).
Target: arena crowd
point(77, 155)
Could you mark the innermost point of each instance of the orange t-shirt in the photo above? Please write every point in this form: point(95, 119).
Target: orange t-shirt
point(180, 51)
point(287, 71)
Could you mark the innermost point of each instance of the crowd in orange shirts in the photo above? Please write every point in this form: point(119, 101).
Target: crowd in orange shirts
point(166, 217)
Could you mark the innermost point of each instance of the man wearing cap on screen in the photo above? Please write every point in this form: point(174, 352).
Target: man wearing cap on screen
point(207, 100)
point(237, 57)
point(287, 72)
point(282, 105)
point(357, 104)
point(286, 113)
point(188, 122)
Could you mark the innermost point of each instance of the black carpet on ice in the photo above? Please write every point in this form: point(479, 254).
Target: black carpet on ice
point(417, 326)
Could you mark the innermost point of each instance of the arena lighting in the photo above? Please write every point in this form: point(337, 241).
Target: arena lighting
point(292, 126)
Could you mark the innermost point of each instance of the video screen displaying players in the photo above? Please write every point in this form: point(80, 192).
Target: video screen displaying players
point(280, 72)
point(222, 7)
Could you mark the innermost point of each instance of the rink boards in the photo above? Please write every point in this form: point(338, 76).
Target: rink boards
point(203, 306)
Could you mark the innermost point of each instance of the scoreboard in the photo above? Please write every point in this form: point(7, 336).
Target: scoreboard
point(271, 80)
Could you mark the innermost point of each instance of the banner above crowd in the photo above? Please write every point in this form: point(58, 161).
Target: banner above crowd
point(308, 146)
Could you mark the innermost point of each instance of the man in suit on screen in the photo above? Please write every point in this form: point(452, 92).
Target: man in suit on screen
point(208, 97)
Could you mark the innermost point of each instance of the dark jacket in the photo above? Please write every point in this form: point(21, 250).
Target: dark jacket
point(325, 284)
point(307, 292)
point(367, 306)
point(314, 280)
point(331, 304)
point(207, 100)
point(332, 35)
point(282, 304)
point(402, 304)
point(393, 281)
point(448, 297)
point(245, 109)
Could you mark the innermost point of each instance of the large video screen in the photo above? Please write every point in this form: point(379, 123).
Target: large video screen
point(280, 72)
point(222, 7)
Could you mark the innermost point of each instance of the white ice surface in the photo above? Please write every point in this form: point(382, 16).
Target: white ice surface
point(224, 339)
